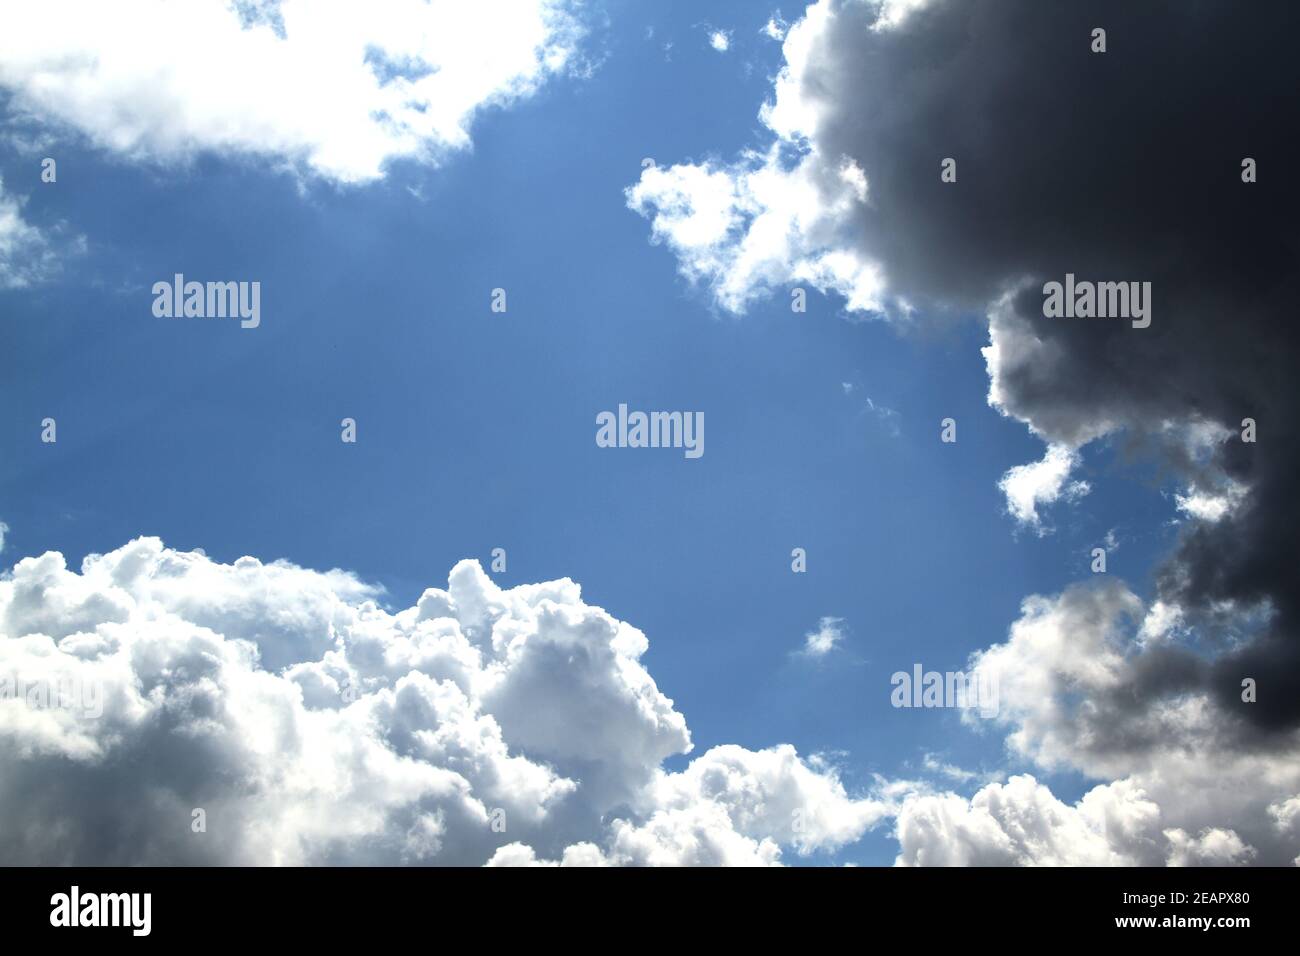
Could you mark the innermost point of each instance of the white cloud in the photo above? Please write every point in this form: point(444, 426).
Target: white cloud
point(1212, 847)
point(1028, 487)
point(312, 725)
point(518, 854)
point(775, 28)
point(1020, 823)
point(720, 40)
point(894, 13)
point(339, 89)
point(825, 639)
point(27, 254)
point(1286, 813)
point(757, 225)
point(1084, 686)
point(1212, 505)
point(781, 217)
point(1163, 621)
point(4, 530)
point(737, 807)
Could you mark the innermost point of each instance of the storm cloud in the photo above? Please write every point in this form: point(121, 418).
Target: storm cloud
point(1124, 165)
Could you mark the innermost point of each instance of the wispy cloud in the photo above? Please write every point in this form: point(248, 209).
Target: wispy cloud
point(824, 639)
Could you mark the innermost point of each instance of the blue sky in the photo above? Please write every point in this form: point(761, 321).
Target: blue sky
point(476, 429)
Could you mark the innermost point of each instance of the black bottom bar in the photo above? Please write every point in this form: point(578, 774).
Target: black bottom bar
point(333, 906)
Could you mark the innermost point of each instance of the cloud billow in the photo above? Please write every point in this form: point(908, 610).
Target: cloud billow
point(313, 726)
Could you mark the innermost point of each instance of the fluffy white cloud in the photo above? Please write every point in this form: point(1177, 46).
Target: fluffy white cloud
point(758, 225)
point(731, 807)
point(781, 216)
point(1212, 505)
point(770, 219)
point(338, 88)
point(1212, 847)
point(311, 725)
point(518, 727)
point(720, 40)
point(1020, 823)
point(1027, 487)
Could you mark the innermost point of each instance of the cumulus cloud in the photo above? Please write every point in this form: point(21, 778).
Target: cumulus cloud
point(312, 725)
point(1212, 847)
point(1020, 823)
point(1088, 684)
point(337, 90)
point(720, 40)
point(1097, 682)
point(732, 807)
point(771, 218)
point(748, 228)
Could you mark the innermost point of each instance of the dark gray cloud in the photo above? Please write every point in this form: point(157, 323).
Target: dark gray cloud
point(1117, 166)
